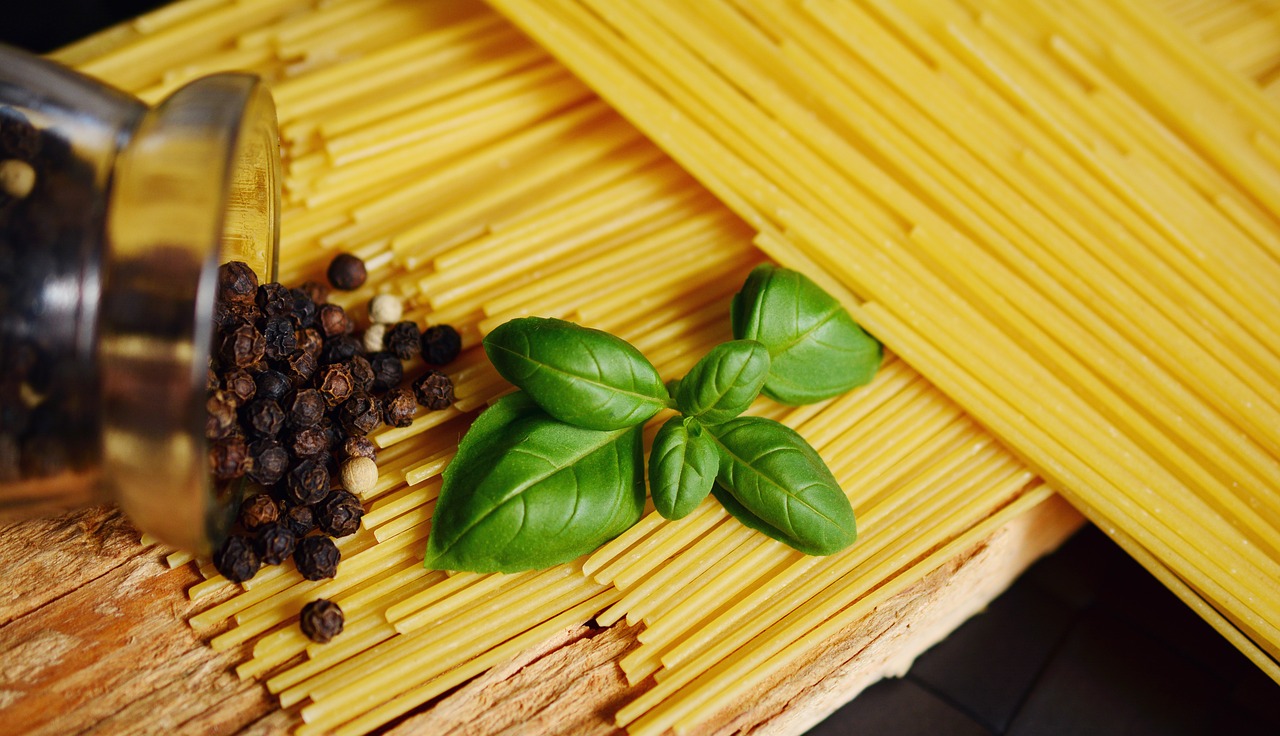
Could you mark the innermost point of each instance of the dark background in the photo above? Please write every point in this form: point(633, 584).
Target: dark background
point(1085, 644)
point(44, 25)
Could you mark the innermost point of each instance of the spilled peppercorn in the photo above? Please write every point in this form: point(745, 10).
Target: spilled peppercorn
point(347, 272)
point(321, 620)
point(316, 557)
point(434, 390)
point(293, 391)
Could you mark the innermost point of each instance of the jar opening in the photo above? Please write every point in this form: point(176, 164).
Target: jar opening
point(197, 185)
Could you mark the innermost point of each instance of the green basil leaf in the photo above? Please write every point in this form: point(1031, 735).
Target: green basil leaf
point(817, 350)
point(682, 467)
point(782, 485)
point(725, 382)
point(578, 375)
point(528, 492)
point(487, 435)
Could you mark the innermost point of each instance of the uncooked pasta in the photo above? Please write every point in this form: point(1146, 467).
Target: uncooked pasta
point(1059, 218)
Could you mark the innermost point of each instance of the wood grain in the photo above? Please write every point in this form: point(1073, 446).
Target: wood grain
point(94, 639)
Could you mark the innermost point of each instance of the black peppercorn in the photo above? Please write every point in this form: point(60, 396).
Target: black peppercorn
point(316, 291)
point(243, 346)
point(307, 408)
point(340, 348)
point(360, 414)
point(403, 340)
point(337, 434)
point(236, 559)
point(304, 310)
point(264, 418)
point(434, 390)
point(274, 543)
point(222, 420)
point(300, 367)
point(14, 413)
point(388, 371)
point(334, 321)
point(237, 283)
point(321, 620)
point(316, 557)
point(279, 337)
point(18, 137)
point(222, 317)
point(311, 342)
point(274, 300)
point(361, 373)
point(258, 510)
point(212, 382)
point(440, 344)
point(270, 462)
point(10, 458)
point(300, 519)
point(335, 384)
point(398, 407)
point(358, 446)
point(272, 384)
point(347, 272)
point(308, 482)
point(229, 458)
point(339, 514)
point(43, 456)
point(239, 382)
point(230, 315)
point(309, 442)
point(41, 375)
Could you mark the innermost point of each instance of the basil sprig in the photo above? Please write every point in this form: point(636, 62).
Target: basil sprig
point(556, 469)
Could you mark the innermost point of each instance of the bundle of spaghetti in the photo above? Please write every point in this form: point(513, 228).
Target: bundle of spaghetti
point(1239, 36)
point(1062, 214)
point(585, 199)
point(480, 181)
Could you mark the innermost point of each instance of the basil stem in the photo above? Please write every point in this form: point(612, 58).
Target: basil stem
point(773, 481)
point(682, 467)
point(526, 491)
point(817, 350)
point(724, 383)
point(585, 377)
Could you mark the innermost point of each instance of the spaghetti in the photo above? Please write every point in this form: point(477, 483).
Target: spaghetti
point(998, 191)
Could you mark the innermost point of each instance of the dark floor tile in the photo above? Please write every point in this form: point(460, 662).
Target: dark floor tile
point(1134, 594)
point(1077, 570)
point(1109, 678)
point(1259, 696)
point(1238, 722)
point(898, 708)
point(988, 665)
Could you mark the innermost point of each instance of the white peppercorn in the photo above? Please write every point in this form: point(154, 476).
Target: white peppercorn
point(17, 177)
point(385, 309)
point(373, 337)
point(359, 475)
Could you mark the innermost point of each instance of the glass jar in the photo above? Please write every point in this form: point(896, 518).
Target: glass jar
point(113, 220)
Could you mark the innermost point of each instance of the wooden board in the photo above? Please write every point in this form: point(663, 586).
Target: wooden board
point(93, 636)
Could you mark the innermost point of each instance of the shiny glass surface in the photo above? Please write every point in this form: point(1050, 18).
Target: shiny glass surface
point(107, 278)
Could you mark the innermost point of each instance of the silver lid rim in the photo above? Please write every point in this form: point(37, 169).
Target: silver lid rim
point(202, 166)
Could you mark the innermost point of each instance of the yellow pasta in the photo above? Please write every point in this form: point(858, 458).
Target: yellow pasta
point(987, 225)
